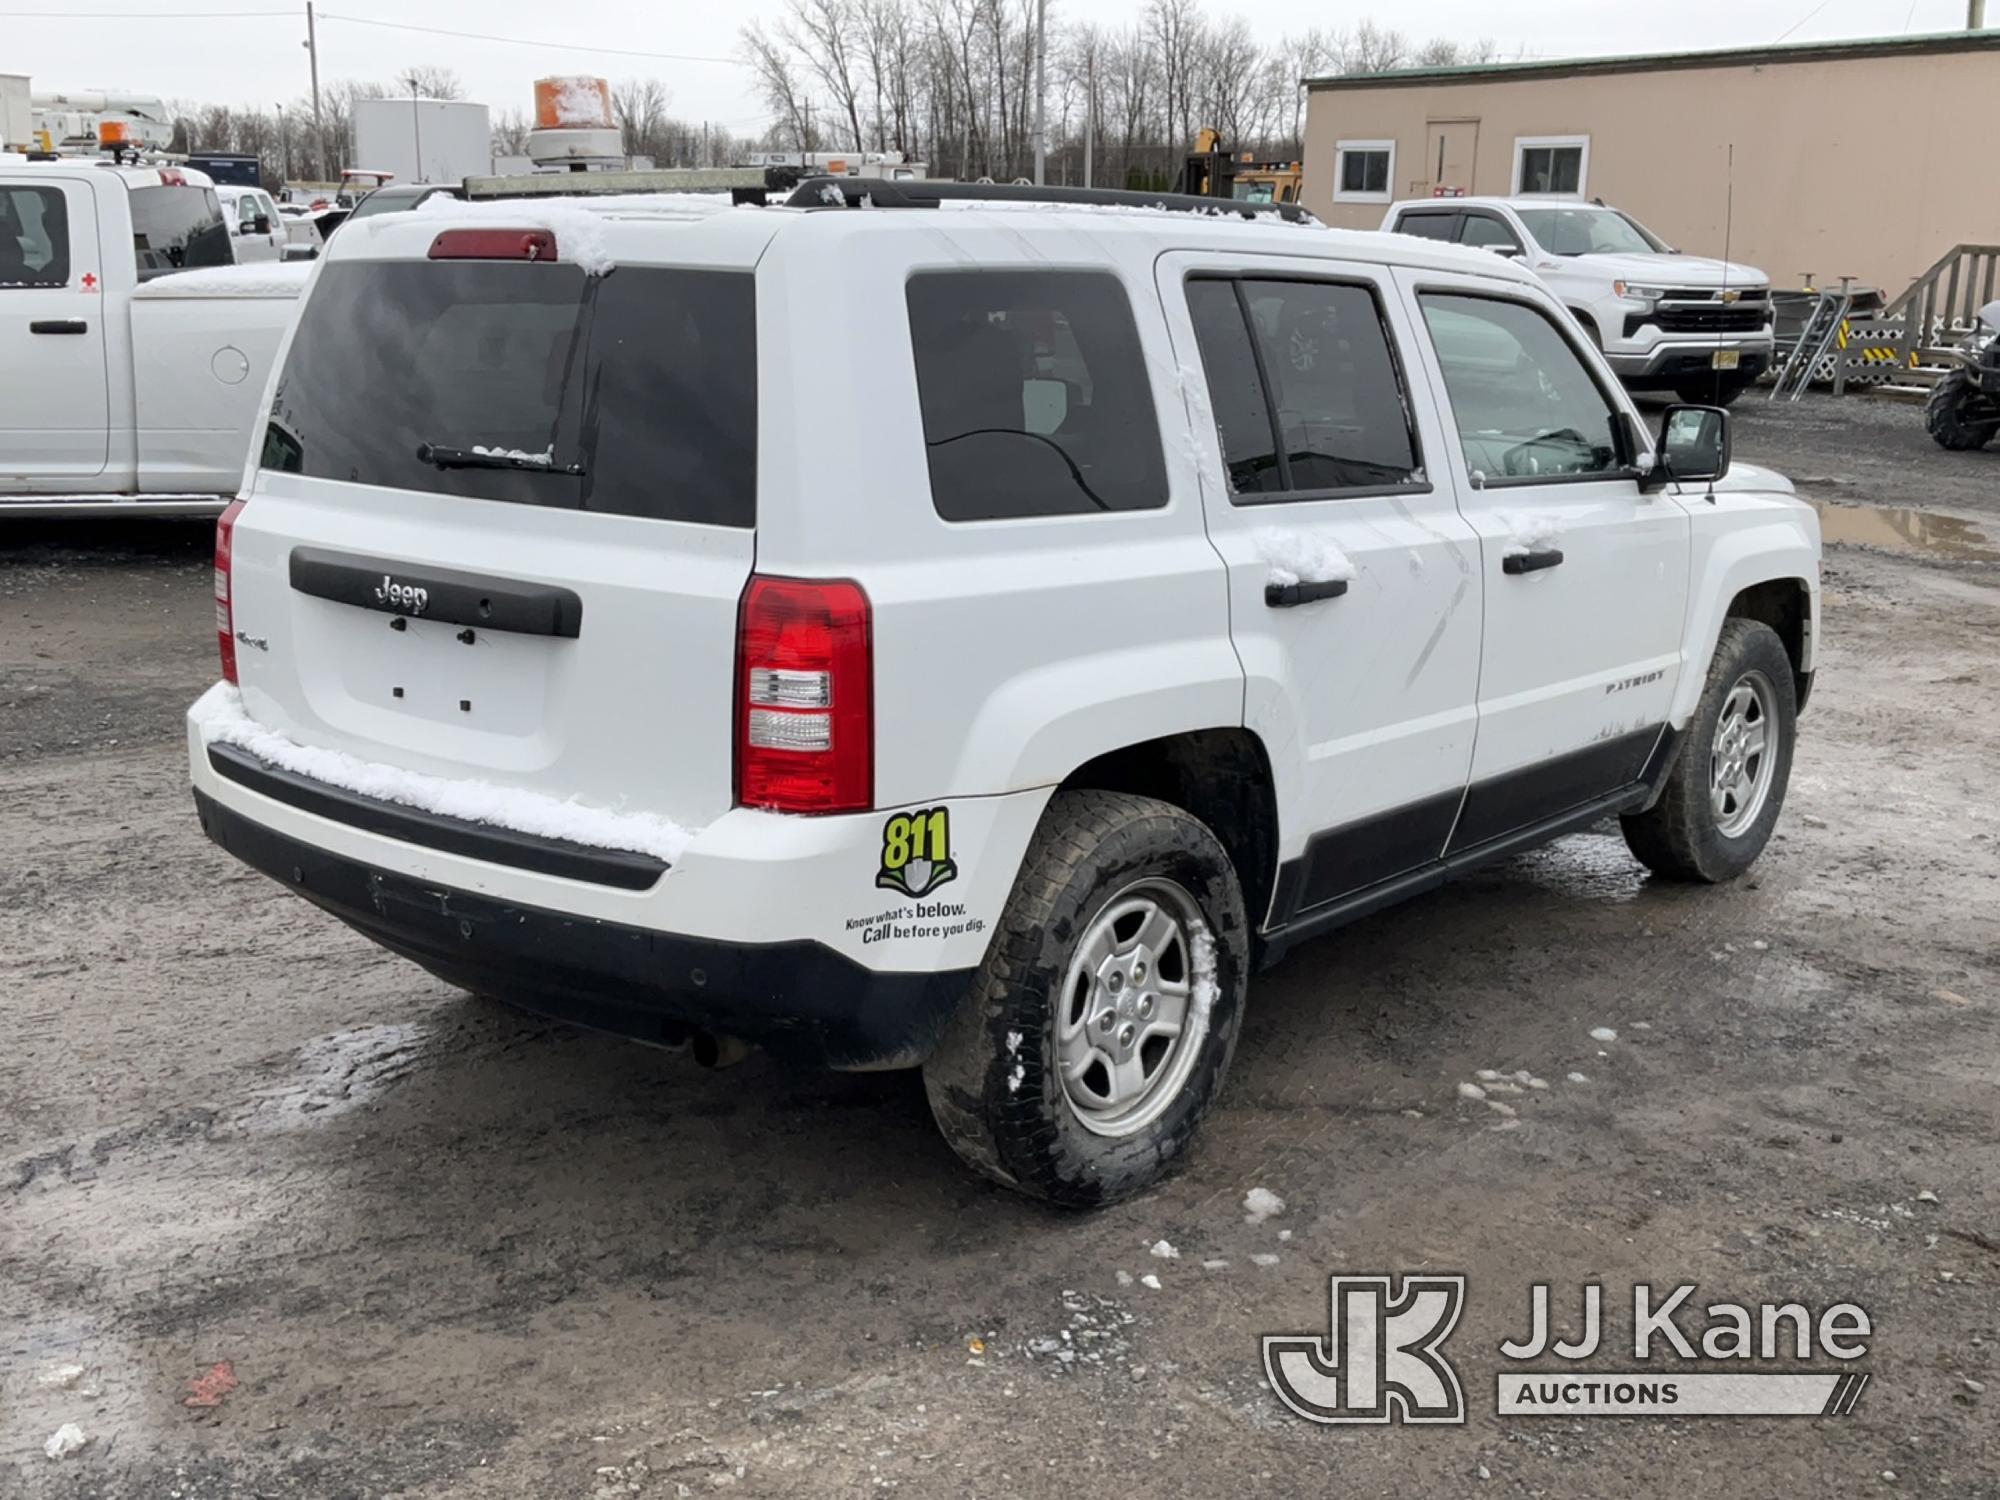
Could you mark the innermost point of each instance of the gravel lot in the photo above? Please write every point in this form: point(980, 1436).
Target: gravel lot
point(449, 1250)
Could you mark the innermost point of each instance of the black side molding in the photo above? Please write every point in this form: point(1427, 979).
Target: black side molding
point(501, 846)
point(437, 593)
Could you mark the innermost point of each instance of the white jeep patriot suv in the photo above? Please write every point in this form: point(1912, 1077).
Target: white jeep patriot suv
point(965, 629)
point(1665, 321)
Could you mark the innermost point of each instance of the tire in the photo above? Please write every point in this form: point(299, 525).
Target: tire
point(995, 1081)
point(1683, 835)
point(1712, 390)
point(1944, 415)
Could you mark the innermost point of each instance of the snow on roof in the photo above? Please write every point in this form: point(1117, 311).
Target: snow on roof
point(282, 279)
point(577, 223)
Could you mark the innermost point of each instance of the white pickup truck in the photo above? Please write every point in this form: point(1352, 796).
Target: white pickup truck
point(133, 374)
point(1665, 321)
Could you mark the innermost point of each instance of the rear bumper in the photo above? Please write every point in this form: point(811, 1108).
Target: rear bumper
point(801, 999)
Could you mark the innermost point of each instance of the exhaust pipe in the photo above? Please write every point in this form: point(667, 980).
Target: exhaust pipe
point(713, 1051)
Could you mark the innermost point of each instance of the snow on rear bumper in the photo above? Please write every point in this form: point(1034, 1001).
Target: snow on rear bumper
point(847, 883)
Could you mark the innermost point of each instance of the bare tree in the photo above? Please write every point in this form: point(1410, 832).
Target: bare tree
point(427, 81)
point(511, 129)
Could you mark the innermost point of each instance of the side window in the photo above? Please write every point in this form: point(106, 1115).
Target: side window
point(1428, 226)
point(1332, 391)
point(1484, 229)
point(1034, 395)
point(1235, 390)
point(1527, 407)
point(34, 238)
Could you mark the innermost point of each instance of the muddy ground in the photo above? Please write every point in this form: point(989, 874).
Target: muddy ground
point(449, 1250)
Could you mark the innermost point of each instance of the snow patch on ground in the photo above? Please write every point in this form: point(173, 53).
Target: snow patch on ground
point(60, 1377)
point(1260, 1204)
point(279, 279)
point(1471, 1091)
point(1578, 1078)
point(1015, 1078)
point(1263, 1258)
point(1150, 1280)
point(67, 1439)
point(1529, 532)
point(1603, 1034)
point(219, 716)
point(1295, 557)
point(1162, 1250)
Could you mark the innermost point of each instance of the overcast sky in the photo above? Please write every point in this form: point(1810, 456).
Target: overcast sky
point(238, 51)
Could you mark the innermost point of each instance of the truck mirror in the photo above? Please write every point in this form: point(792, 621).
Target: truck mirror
point(1694, 444)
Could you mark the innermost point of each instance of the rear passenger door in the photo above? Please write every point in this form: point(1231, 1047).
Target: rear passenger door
point(1316, 467)
point(1586, 577)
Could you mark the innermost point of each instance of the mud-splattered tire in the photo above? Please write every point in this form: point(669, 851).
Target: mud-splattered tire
point(1685, 835)
point(1944, 415)
point(996, 1081)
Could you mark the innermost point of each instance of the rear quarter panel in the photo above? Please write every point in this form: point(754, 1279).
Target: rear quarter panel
point(1007, 653)
point(200, 367)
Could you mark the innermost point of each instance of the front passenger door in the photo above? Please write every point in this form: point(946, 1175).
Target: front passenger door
point(1586, 578)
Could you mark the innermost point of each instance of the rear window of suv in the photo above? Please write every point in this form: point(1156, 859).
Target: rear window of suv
point(1034, 394)
point(632, 394)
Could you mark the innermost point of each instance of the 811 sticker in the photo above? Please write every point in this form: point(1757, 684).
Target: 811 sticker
point(916, 852)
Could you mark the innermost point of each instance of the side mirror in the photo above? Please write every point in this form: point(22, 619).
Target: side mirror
point(1694, 446)
point(261, 224)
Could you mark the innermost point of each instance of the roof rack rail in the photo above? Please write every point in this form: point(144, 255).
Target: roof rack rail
point(891, 193)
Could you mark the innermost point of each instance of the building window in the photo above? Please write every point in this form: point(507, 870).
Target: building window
point(1362, 171)
point(1557, 165)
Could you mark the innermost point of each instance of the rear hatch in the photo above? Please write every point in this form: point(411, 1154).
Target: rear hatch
point(504, 514)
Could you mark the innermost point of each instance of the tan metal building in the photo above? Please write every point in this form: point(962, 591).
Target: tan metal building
point(1869, 158)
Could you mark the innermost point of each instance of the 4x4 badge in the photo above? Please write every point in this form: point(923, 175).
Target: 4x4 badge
point(916, 852)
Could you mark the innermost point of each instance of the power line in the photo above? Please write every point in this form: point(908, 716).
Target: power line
point(144, 15)
point(516, 41)
point(1803, 19)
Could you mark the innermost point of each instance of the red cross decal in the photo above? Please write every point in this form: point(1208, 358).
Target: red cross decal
point(90, 281)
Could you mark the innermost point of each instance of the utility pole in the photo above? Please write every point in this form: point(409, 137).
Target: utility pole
point(1042, 88)
point(319, 122)
point(1089, 115)
point(285, 145)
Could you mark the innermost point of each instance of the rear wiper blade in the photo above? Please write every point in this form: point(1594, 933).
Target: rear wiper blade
point(493, 458)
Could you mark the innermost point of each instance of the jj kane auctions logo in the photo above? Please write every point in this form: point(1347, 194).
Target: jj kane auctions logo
point(1382, 1358)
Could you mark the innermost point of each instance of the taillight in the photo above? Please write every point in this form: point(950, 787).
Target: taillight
point(225, 609)
point(805, 691)
point(494, 244)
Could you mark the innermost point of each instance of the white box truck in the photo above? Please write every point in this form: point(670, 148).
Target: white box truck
point(423, 140)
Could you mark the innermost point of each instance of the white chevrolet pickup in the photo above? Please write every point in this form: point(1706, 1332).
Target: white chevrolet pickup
point(133, 375)
point(1665, 321)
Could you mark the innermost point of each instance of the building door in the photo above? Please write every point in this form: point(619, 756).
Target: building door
point(1449, 156)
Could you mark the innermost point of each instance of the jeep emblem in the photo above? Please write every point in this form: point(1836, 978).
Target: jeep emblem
point(403, 596)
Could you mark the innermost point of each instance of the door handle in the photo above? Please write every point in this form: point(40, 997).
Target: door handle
point(59, 325)
point(1531, 562)
point(1291, 595)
